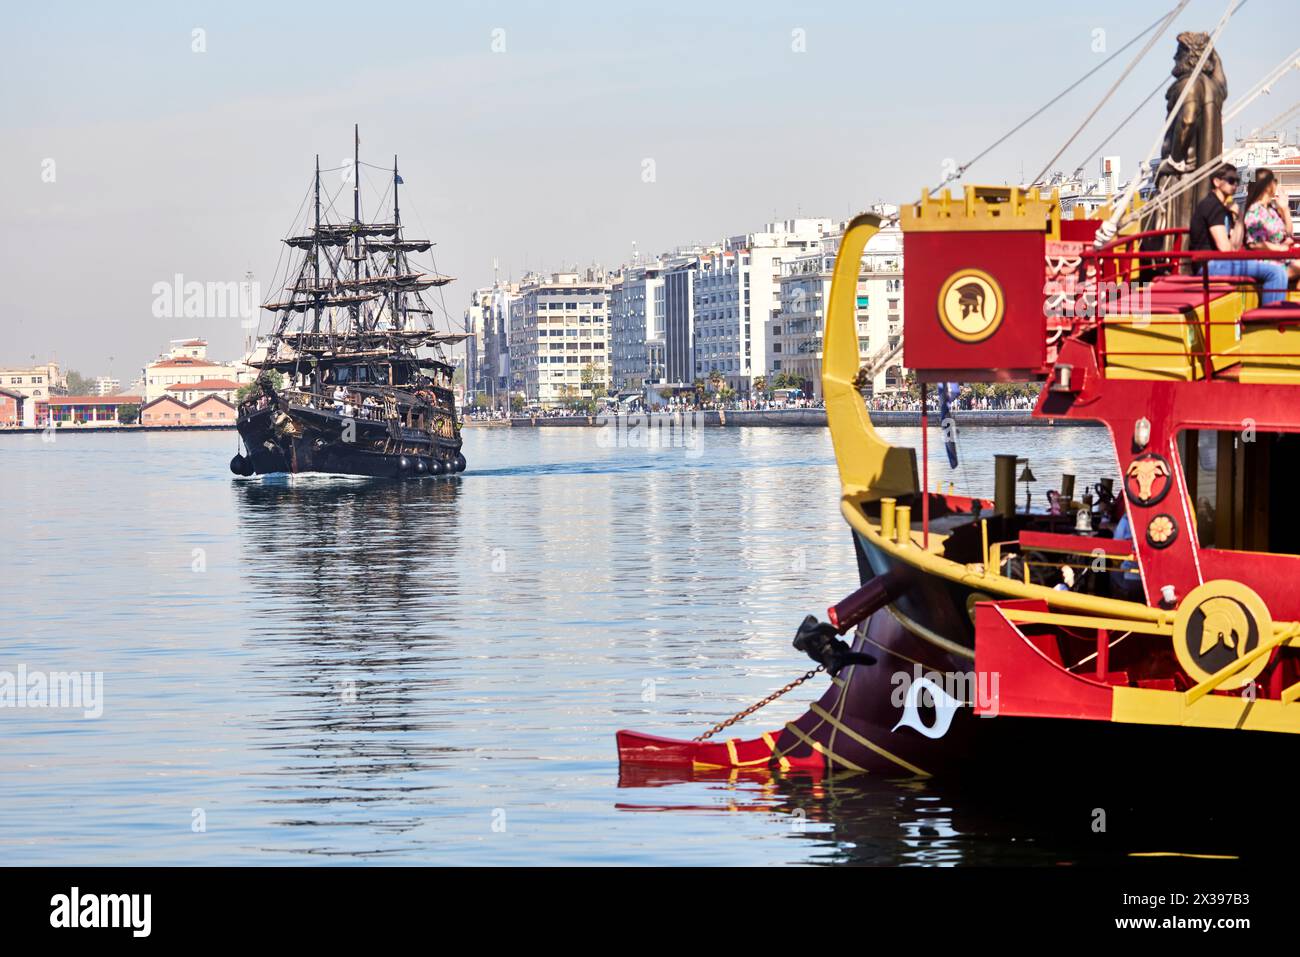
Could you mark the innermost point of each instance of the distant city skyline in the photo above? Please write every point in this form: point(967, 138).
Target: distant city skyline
point(162, 140)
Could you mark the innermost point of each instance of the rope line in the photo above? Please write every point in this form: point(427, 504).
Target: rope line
point(1164, 25)
point(961, 170)
point(1290, 62)
point(1115, 132)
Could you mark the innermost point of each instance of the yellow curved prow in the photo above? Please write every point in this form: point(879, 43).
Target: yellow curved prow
point(869, 466)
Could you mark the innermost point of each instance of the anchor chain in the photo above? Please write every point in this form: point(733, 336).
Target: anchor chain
point(740, 715)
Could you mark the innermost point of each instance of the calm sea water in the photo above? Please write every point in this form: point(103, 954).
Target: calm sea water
point(349, 671)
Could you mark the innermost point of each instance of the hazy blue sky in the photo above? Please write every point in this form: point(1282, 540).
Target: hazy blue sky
point(169, 161)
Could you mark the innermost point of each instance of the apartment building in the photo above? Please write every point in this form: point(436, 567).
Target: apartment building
point(737, 296)
point(636, 328)
point(559, 327)
point(798, 328)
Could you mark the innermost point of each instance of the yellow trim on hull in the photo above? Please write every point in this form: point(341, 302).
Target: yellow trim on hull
point(1152, 706)
point(822, 749)
point(997, 585)
point(934, 638)
point(839, 725)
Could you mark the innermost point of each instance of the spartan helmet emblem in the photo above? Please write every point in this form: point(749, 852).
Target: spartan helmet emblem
point(1217, 624)
point(971, 305)
point(1225, 624)
point(971, 298)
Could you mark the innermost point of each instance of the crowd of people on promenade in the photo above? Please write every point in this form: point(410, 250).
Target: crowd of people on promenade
point(967, 400)
point(474, 414)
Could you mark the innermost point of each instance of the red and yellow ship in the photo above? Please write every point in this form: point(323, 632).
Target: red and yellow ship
point(1010, 638)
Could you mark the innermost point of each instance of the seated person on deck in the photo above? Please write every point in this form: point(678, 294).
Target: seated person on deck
point(1268, 220)
point(1212, 226)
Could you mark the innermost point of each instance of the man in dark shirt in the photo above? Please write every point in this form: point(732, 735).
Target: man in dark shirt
point(1214, 210)
point(1211, 229)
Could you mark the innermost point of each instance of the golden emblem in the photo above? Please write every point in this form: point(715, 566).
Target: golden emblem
point(970, 305)
point(1161, 531)
point(1216, 624)
point(1148, 478)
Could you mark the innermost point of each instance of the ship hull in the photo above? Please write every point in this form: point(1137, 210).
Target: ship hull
point(867, 720)
point(924, 709)
point(300, 441)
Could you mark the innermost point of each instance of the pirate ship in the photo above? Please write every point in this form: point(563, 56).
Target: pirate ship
point(354, 379)
point(990, 637)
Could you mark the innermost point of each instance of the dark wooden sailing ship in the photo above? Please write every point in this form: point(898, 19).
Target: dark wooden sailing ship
point(354, 379)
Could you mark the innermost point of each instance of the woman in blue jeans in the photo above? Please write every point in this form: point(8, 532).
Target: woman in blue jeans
point(1213, 227)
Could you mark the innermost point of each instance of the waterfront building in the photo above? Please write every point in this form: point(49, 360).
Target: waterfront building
point(84, 410)
point(11, 408)
point(678, 310)
point(487, 350)
point(211, 409)
point(185, 362)
point(559, 336)
point(475, 324)
point(673, 345)
point(736, 296)
point(35, 384)
point(797, 328)
point(636, 328)
point(106, 385)
point(191, 392)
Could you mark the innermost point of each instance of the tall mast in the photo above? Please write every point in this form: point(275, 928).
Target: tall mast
point(315, 252)
point(356, 222)
point(398, 312)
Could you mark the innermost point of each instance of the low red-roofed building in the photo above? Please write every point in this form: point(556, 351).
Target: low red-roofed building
point(169, 410)
point(89, 410)
point(191, 392)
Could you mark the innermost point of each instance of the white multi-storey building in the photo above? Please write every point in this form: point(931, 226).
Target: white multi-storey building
point(559, 336)
point(797, 330)
point(636, 328)
point(106, 385)
point(487, 353)
point(736, 296)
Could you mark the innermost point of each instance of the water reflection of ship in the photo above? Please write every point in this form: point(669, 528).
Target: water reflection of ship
point(363, 545)
point(352, 640)
point(865, 820)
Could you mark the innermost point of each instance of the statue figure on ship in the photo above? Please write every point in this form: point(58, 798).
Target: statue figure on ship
point(1196, 136)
